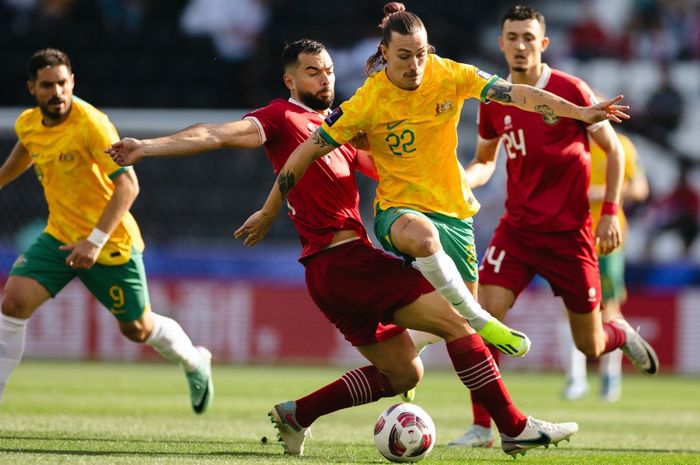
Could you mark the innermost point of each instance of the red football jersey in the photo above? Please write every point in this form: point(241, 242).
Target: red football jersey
point(548, 160)
point(326, 199)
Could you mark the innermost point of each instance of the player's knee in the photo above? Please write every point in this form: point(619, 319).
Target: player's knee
point(405, 381)
point(405, 377)
point(427, 245)
point(134, 332)
point(14, 306)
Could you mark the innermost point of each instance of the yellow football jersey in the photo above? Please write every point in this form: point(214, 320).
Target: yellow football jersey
point(413, 135)
point(76, 175)
point(599, 162)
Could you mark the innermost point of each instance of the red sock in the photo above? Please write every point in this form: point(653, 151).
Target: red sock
point(356, 387)
point(481, 415)
point(614, 337)
point(478, 371)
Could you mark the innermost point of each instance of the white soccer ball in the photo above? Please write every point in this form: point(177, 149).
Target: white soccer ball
point(404, 433)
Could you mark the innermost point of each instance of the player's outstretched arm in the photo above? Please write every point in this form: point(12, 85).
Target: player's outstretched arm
point(199, 138)
point(546, 103)
point(256, 227)
point(17, 163)
point(483, 165)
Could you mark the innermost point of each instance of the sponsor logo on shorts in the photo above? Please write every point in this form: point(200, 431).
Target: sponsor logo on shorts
point(592, 294)
point(21, 261)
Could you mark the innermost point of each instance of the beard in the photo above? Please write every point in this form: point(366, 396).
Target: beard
point(317, 103)
point(50, 114)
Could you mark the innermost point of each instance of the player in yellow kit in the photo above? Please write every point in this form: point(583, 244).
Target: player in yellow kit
point(612, 274)
point(90, 232)
point(409, 108)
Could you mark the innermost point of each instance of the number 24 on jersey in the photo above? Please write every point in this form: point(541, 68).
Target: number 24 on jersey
point(515, 143)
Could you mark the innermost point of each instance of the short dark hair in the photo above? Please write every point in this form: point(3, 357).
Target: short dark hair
point(46, 57)
point(522, 13)
point(291, 52)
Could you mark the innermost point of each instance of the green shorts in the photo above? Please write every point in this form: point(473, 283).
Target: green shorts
point(612, 276)
point(122, 288)
point(456, 238)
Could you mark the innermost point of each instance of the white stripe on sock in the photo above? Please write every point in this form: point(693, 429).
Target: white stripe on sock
point(358, 386)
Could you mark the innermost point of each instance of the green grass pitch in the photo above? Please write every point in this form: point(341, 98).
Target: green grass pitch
point(118, 413)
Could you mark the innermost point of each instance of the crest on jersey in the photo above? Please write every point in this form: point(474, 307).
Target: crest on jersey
point(442, 107)
point(507, 123)
point(334, 116)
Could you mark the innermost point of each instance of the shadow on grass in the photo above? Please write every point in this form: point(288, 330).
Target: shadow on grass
point(273, 454)
point(101, 453)
point(120, 440)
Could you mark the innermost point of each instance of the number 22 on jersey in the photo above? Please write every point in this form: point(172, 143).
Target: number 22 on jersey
point(515, 143)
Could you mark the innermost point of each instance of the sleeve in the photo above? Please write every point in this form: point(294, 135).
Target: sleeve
point(21, 124)
point(584, 97)
point(346, 120)
point(472, 82)
point(103, 134)
point(267, 121)
point(486, 129)
point(632, 166)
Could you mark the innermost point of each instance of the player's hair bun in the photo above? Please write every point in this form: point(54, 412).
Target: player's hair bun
point(393, 7)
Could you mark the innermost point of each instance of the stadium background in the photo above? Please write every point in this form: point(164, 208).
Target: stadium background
point(156, 66)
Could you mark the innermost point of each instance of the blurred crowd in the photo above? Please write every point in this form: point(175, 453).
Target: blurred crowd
point(225, 54)
point(193, 53)
point(662, 30)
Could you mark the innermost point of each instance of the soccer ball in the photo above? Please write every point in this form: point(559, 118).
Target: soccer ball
point(404, 433)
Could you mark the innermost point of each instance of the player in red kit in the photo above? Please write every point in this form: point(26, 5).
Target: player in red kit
point(546, 228)
point(368, 295)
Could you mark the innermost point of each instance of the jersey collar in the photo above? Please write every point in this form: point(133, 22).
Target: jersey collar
point(544, 77)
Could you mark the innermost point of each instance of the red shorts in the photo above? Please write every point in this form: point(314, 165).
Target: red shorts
point(359, 288)
point(567, 260)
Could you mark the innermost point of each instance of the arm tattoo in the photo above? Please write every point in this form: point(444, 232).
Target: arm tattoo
point(285, 181)
point(545, 111)
point(318, 140)
point(501, 92)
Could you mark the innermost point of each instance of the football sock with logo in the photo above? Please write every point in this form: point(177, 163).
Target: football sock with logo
point(170, 340)
point(479, 410)
point(440, 271)
point(614, 337)
point(356, 387)
point(12, 335)
point(477, 370)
